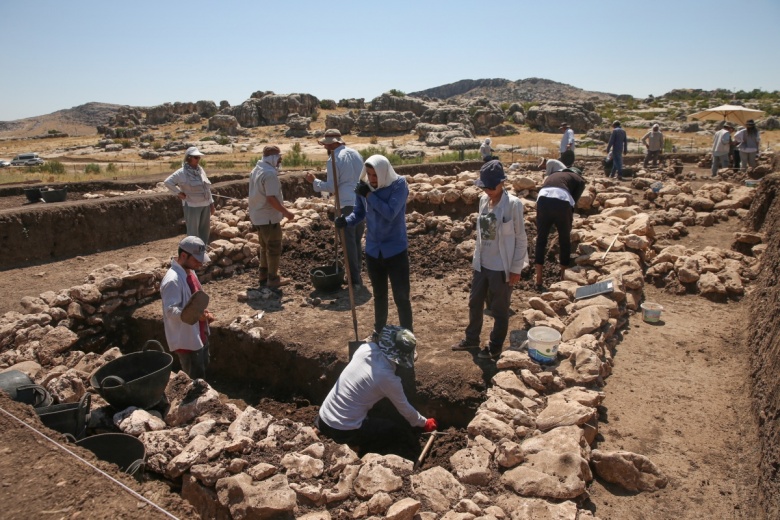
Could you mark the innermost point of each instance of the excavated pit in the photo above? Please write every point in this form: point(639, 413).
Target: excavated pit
point(286, 362)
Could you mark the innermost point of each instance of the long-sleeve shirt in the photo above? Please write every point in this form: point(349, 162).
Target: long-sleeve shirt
point(618, 142)
point(349, 164)
point(746, 142)
point(565, 185)
point(567, 139)
point(175, 293)
point(385, 214)
point(721, 142)
point(654, 141)
point(506, 230)
point(193, 183)
point(368, 378)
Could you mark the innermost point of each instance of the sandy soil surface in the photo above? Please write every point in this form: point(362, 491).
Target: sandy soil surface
point(678, 393)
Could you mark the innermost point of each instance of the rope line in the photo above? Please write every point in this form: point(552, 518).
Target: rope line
point(100, 471)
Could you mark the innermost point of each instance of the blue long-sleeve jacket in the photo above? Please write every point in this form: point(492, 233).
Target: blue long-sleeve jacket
point(385, 214)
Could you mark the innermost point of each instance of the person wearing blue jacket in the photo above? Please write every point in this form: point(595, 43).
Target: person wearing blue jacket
point(618, 143)
point(381, 202)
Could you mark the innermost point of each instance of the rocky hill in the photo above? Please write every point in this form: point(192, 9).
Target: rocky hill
point(80, 120)
point(503, 90)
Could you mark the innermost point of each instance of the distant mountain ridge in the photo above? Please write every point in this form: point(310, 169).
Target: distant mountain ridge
point(80, 120)
point(503, 90)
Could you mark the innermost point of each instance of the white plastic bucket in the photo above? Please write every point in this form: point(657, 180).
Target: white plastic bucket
point(543, 344)
point(651, 312)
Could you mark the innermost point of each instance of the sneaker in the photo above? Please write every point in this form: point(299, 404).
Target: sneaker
point(278, 282)
point(465, 344)
point(486, 353)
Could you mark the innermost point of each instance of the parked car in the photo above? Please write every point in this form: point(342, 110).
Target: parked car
point(27, 159)
point(4, 163)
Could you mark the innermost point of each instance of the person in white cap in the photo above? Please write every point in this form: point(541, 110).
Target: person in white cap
point(369, 377)
point(349, 164)
point(266, 211)
point(191, 185)
point(486, 150)
point(567, 145)
point(654, 142)
point(189, 342)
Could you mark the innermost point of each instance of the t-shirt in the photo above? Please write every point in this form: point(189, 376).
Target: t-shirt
point(489, 254)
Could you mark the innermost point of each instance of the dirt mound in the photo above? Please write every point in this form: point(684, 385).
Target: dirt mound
point(764, 341)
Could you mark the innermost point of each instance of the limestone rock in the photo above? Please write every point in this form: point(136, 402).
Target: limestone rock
point(135, 421)
point(629, 470)
point(471, 466)
point(373, 478)
point(437, 489)
point(193, 453)
point(304, 466)
point(248, 500)
point(404, 509)
point(537, 509)
point(251, 423)
point(489, 425)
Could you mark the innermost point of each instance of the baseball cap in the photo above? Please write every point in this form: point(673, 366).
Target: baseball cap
point(193, 151)
point(195, 247)
point(491, 175)
point(332, 135)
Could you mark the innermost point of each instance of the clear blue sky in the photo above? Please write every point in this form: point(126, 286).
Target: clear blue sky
point(58, 54)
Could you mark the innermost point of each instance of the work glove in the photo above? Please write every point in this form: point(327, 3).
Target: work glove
point(363, 189)
point(340, 222)
point(430, 425)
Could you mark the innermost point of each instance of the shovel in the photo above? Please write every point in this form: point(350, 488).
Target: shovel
point(353, 345)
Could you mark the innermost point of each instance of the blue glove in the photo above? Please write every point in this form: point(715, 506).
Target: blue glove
point(341, 222)
point(362, 189)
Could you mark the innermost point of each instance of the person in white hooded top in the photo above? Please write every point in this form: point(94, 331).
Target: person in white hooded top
point(266, 211)
point(381, 202)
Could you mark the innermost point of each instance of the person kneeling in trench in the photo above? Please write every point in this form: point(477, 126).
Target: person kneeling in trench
point(369, 377)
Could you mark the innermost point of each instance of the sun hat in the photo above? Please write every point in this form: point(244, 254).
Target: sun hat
point(398, 344)
point(750, 122)
point(491, 175)
point(195, 247)
point(271, 150)
point(332, 135)
point(193, 151)
point(728, 125)
point(564, 125)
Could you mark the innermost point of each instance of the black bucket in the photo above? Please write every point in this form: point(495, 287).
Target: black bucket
point(54, 195)
point(138, 379)
point(34, 395)
point(33, 194)
point(68, 418)
point(13, 379)
point(327, 278)
point(121, 449)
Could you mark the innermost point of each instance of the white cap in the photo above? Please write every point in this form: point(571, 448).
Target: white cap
point(193, 151)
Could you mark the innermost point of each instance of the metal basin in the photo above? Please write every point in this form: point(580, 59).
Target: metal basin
point(138, 379)
point(121, 449)
point(327, 278)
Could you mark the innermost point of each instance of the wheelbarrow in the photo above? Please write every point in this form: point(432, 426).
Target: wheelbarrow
point(137, 379)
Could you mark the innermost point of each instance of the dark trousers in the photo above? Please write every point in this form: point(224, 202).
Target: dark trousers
point(374, 434)
point(567, 157)
point(353, 235)
point(555, 212)
point(194, 362)
point(495, 283)
point(396, 270)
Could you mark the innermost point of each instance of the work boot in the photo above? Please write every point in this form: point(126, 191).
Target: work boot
point(465, 344)
point(277, 282)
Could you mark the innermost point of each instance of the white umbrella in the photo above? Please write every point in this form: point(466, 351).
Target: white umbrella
point(733, 113)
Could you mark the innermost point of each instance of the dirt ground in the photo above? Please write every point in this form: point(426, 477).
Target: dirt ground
point(678, 393)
